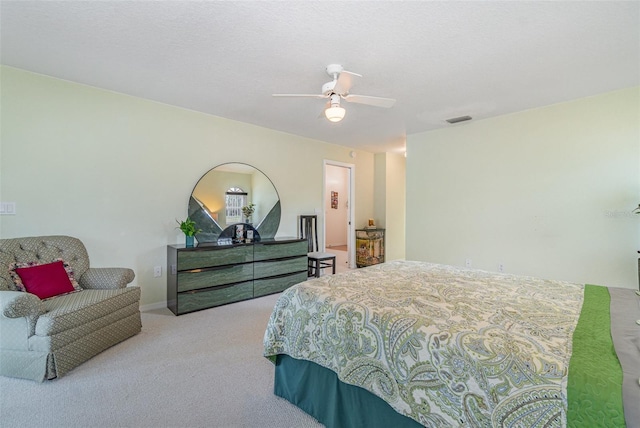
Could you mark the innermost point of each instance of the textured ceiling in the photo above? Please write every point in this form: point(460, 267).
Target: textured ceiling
point(437, 59)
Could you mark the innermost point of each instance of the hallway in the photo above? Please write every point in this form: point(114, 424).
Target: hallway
point(342, 262)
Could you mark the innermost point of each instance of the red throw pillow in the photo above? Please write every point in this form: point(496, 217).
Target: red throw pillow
point(46, 280)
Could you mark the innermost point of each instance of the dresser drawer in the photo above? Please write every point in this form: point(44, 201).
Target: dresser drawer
point(195, 259)
point(279, 250)
point(195, 300)
point(203, 278)
point(262, 287)
point(268, 268)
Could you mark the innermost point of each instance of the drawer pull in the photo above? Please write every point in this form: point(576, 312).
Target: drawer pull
point(215, 287)
point(209, 269)
point(282, 275)
point(282, 259)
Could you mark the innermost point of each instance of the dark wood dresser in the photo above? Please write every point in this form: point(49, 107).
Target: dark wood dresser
point(211, 275)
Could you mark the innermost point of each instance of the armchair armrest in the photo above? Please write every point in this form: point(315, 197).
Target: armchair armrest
point(101, 278)
point(18, 304)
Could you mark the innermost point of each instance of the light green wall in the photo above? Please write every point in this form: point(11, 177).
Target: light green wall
point(116, 171)
point(546, 192)
point(395, 200)
point(390, 202)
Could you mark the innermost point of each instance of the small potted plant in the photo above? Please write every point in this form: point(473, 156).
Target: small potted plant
point(188, 227)
point(248, 210)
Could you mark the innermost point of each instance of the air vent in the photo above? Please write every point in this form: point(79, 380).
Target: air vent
point(459, 119)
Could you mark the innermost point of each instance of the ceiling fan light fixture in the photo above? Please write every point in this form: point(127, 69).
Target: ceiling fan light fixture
point(335, 113)
point(340, 89)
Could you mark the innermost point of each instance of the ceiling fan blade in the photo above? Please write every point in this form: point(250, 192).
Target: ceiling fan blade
point(301, 95)
point(372, 101)
point(344, 82)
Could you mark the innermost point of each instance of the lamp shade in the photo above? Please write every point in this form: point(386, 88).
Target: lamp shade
point(335, 113)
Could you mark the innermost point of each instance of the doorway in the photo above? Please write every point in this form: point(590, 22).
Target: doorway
point(338, 210)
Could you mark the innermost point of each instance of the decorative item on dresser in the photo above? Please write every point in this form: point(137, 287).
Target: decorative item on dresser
point(188, 227)
point(247, 211)
point(212, 275)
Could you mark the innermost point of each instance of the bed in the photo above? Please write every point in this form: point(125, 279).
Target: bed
point(409, 344)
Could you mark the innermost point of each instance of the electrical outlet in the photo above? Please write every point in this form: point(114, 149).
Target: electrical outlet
point(468, 262)
point(500, 267)
point(157, 271)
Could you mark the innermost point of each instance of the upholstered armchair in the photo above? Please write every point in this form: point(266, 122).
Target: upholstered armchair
point(45, 337)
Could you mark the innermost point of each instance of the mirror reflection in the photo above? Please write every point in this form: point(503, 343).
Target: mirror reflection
point(234, 193)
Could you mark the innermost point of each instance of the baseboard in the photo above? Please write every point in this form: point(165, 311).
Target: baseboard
point(153, 306)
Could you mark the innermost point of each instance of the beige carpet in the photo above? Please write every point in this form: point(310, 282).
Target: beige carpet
point(203, 369)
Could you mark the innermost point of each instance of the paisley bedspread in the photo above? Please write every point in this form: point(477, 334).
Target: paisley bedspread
point(444, 346)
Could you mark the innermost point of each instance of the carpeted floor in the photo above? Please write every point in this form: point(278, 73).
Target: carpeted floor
point(203, 369)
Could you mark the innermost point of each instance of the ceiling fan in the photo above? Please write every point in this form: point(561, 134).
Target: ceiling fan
point(339, 89)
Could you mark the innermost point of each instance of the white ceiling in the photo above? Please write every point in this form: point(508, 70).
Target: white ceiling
point(437, 59)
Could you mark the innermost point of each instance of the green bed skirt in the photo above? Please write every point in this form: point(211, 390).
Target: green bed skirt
point(317, 391)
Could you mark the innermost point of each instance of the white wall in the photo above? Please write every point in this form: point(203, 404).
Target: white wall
point(547, 192)
point(117, 171)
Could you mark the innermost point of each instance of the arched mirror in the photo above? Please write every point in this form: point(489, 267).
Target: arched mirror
point(224, 196)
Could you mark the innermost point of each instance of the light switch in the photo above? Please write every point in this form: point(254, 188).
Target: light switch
point(7, 208)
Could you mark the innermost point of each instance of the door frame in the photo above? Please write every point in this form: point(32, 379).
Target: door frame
point(351, 255)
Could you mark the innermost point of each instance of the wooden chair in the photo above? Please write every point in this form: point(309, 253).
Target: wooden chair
point(317, 260)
